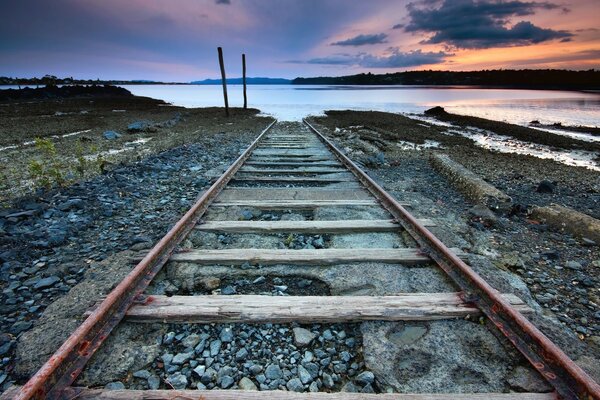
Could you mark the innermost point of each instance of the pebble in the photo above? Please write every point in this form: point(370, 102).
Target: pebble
point(246, 384)
point(178, 380)
point(114, 386)
point(295, 385)
point(302, 336)
point(273, 372)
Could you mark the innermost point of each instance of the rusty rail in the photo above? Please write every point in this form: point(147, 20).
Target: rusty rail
point(66, 363)
point(569, 380)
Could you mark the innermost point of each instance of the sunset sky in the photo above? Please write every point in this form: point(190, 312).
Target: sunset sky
point(176, 40)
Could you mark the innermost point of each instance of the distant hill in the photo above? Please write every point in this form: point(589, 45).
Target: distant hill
point(249, 81)
point(524, 79)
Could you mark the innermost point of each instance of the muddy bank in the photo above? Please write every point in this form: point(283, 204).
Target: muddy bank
point(559, 271)
point(512, 130)
point(86, 136)
point(49, 92)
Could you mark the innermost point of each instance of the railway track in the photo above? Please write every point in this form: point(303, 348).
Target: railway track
point(297, 174)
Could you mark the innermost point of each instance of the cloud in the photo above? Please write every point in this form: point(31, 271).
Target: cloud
point(223, 1)
point(394, 58)
point(362, 40)
point(398, 26)
point(473, 24)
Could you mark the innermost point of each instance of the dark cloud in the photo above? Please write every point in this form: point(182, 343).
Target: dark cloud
point(480, 24)
point(394, 59)
point(223, 1)
point(398, 26)
point(362, 40)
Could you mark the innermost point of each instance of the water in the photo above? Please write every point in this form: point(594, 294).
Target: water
point(293, 102)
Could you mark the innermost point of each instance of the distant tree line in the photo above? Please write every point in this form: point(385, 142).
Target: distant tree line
point(51, 80)
point(527, 78)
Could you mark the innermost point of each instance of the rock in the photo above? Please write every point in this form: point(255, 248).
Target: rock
point(226, 382)
point(111, 135)
point(302, 337)
point(437, 110)
point(114, 386)
point(295, 385)
point(241, 354)
point(142, 374)
point(314, 387)
point(153, 382)
point(20, 326)
point(138, 126)
point(200, 370)
point(255, 369)
point(182, 358)
point(71, 204)
point(574, 265)
point(546, 186)
point(246, 384)
point(365, 378)
point(328, 380)
point(246, 215)
point(304, 375)
point(191, 340)
point(350, 387)
point(226, 335)
point(228, 290)
point(215, 347)
point(178, 380)
point(46, 282)
point(527, 380)
point(273, 372)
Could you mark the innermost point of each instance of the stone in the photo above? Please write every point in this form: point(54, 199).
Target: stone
point(142, 374)
point(303, 337)
point(215, 347)
point(226, 382)
point(328, 380)
point(314, 387)
point(255, 369)
point(295, 385)
point(191, 340)
point(200, 370)
point(114, 386)
point(350, 387)
point(484, 214)
point(273, 372)
point(365, 378)
point(246, 384)
point(241, 354)
point(574, 265)
point(304, 375)
point(46, 282)
point(182, 358)
point(153, 382)
point(226, 335)
point(178, 380)
point(111, 135)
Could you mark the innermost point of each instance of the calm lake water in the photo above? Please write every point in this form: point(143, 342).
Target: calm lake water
point(293, 102)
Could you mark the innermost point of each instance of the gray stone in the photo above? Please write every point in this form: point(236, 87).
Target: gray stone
point(241, 354)
point(328, 380)
point(255, 369)
point(191, 340)
point(153, 382)
point(111, 135)
point(178, 380)
point(46, 282)
point(295, 385)
point(246, 384)
point(303, 337)
point(574, 265)
point(365, 378)
point(199, 370)
point(142, 374)
point(215, 347)
point(273, 372)
point(226, 382)
point(314, 387)
point(226, 335)
point(182, 358)
point(350, 387)
point(304, 375)
point(114, 386)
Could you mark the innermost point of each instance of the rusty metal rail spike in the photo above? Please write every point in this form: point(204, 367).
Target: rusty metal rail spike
point(66, 363)
point(569, 380)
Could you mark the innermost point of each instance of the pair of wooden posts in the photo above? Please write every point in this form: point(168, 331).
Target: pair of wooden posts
point(224, 80)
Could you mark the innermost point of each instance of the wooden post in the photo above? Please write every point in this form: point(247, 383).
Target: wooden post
point(244, 80)
point(224, 80)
